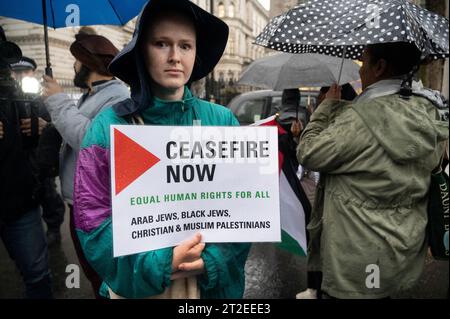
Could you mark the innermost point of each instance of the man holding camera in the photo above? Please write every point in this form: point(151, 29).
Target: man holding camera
point(20, 221)
point(46, 159)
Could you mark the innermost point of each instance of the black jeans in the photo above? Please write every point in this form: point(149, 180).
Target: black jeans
point(314, 281)
point(53, 207)
point(25, 242)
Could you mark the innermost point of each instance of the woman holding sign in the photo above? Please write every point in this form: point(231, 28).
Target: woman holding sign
point(175, 43)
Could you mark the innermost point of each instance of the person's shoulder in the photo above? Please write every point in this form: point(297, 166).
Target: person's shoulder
point(107, 94)
point(220, 113)
point(215, 108)
point(118, 88)
point(107, 116)
point(396, 103)
point(332, 108)
point(98, 131)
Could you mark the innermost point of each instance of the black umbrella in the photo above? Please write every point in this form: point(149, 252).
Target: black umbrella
point(343, 27)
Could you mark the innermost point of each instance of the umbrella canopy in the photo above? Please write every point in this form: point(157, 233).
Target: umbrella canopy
point(286, 71)
point(344, 27)
point(64, 13)
point(114, 12)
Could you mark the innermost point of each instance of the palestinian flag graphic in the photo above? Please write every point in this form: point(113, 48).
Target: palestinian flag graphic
point(294, 205)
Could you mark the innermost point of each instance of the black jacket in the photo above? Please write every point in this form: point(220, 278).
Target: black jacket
point(18, 180)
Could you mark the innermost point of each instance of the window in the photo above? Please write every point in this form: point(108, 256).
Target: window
point(307, 99)
point(246, 48)
point(230, 76)
point(231, 10)
point(221, 10)
point(249, 14)
point(231, 45)
point(251, 111)
point(276, 105)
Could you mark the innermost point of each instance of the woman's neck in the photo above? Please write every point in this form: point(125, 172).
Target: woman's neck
point(168, 94)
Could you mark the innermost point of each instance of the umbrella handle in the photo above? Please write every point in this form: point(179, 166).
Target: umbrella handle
point(48, 68)
point(342, 64)
point(48, 71)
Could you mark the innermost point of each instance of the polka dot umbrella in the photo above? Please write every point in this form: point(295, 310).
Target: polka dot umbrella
point(343, 27)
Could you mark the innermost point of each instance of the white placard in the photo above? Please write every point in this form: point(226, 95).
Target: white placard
point(168, 183)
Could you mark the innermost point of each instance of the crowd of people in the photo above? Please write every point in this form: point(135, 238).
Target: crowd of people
point(365, 161)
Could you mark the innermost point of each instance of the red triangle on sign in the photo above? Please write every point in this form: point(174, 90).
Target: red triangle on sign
point(131, 160)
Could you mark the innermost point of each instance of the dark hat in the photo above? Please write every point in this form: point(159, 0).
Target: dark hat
point(25, 63)
point(94, 51)
point(290, 97)
point(212, 36)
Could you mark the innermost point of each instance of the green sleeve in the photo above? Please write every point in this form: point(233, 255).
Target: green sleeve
point(134, 276)
point(224, 270)
point(335, 135)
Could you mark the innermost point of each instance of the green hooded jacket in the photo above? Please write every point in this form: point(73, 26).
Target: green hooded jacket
point(146, 274)
point(369, 216)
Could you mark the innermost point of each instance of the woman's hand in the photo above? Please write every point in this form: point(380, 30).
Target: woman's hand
point(186, 256)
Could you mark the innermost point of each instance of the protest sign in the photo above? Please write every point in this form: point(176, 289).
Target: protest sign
point(169, 183)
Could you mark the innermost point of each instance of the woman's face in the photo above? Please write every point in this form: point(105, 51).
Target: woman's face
point(170, 52)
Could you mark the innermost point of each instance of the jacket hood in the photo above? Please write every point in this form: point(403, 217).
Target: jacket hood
point(129, 65)
point(408, 130)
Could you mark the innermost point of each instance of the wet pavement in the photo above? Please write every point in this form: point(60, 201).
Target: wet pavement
point(275, 273)
point(270, 273)
point(60, 256)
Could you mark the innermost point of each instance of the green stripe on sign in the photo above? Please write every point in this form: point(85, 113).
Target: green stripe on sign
point(290, 244)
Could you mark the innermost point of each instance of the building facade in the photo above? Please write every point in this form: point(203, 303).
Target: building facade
point(278, 7)
point(246, 19)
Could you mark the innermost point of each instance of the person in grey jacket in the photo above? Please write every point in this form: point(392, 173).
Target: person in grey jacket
point(93, 53)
